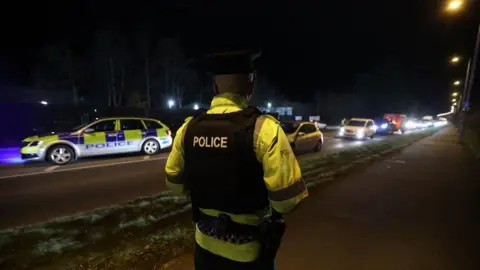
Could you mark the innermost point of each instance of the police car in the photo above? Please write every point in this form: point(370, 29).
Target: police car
point(103, 137)
point(303, 136)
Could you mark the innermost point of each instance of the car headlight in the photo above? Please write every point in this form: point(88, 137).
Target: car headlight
point(35, 143)
point(360, 133)
point(384, 126)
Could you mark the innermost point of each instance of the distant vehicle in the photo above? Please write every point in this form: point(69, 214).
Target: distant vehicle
point(440, 122)
point(358, 128)
point(399, 121)
point(426, 123)
point(320, 125)
point(102, 137)
point(303, 136)
point(385, 126)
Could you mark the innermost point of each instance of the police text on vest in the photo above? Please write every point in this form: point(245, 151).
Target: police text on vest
point(210, 142)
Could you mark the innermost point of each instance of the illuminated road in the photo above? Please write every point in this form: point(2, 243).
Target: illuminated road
point(35, 193)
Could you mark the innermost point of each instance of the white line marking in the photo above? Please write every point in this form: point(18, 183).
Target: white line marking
point(146, 157)
point(51, 168)
point(80, 168)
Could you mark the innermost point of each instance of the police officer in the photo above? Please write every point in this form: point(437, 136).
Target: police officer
point(234, 162)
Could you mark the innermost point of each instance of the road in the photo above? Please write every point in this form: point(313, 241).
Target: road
point(38, 192)
point(417, 209)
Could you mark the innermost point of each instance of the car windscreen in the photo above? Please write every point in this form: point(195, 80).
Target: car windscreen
point(355, 123)
point(289, 128)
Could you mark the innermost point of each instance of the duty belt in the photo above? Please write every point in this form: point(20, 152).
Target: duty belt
point(224, 228)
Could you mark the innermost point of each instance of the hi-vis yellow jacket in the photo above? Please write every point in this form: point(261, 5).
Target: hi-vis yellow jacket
point(282, 176)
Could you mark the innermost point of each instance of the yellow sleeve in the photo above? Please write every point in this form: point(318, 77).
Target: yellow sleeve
point(175, 162)
point(282, 174)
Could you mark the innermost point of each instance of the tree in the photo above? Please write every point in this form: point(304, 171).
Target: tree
point(58, 69)
point(111, 59)
point(178, 77)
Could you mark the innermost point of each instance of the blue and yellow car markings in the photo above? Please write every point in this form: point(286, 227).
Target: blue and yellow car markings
point(117, 138)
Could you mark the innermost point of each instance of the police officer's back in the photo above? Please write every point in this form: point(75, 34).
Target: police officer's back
point(234, 162)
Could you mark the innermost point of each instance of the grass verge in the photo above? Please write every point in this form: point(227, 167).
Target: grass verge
point(91, 232)
point(145, 232)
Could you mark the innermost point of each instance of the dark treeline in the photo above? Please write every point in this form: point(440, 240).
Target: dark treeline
point(118, 69)
point(139, 69)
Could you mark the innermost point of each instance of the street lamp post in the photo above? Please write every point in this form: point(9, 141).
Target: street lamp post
point(454, 6)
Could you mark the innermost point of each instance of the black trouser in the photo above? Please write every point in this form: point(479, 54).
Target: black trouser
point(205, 260)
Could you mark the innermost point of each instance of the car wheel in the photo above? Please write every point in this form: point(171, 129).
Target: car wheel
point(318, 147)
point(150, 147)
point(61, 154)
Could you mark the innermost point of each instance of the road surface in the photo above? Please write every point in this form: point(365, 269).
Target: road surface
point(38, 192)
point(415, 210)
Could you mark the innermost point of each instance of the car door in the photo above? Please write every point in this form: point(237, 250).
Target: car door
point(302, 141)
point(311, 136)
point(130, 135)
point(99, 138)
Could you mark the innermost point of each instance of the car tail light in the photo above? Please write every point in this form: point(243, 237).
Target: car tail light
point(169, 133)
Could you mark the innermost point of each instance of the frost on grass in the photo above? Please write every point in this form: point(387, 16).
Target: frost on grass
point(96, 236)
point(144, 204)
point(4, 239)
point(174, 234)
point(95, 217)
point(139, 222)
point(41, 230)
point(56, 245)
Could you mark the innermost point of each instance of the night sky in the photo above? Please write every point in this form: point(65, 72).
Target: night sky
point(320, 45)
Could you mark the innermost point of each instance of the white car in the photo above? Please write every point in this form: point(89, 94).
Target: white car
point(303, 136)
point(358, 128)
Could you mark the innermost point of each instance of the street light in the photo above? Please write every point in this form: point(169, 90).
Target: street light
point(43, 102)
point(454, 104)
point(453, 100)
point(454, 5)
point(195, 107)
point(455, 59)
point(269, 105)
point(456, 83)
point(455, 94)
point(170, 103)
